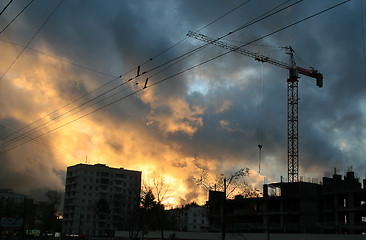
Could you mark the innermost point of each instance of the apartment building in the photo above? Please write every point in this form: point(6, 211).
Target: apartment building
point(99, 199)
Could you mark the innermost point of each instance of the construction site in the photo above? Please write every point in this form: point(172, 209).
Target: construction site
point(335, 206)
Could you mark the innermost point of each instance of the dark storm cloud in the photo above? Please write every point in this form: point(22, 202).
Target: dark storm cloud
point(222, 96)
point(326, 44)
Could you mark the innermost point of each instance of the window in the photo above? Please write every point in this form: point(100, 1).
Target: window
point(345, 219)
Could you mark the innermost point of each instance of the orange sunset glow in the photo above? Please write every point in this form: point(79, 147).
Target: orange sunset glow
point(94, 84)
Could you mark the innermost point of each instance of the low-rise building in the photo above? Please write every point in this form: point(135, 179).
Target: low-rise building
point(12, 213)
point(190, 218)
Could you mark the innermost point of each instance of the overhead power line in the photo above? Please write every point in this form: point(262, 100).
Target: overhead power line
point(182, 57)
point(363, 37)
point(172, 76)
point(15, 16)
point(52, 121)
point(7, 5)
point(60, 59)
point(34, 35)
point(116, 78)
point(39, 143)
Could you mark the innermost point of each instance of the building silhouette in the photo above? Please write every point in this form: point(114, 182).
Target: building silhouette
point(337, 206)
point(100, 200)
point(11, 213)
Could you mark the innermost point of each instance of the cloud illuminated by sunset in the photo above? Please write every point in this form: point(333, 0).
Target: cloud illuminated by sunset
point(65, 93)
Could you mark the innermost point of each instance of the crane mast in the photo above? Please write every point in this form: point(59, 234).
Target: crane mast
point(292, 96)
point(292, 121)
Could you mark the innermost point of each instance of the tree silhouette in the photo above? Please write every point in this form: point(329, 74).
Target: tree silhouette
point(51, 210)
point(157, 184)
point(152, 213)
point(233, 184)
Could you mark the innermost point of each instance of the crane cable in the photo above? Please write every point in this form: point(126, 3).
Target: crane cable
point(260, 87)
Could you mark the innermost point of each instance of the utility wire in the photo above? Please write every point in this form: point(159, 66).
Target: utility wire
point(232, 10)
point(46, 124)
point(188, 54)
point(184, 56)
point(39, 142)
point(363, 38)
point(34, 35)
point(60, 59)
point(212, 22)
point(162, 52)
point(15, 17)
point(174, 75)
point(48, 115)
point(262, 17)
point(7, 5)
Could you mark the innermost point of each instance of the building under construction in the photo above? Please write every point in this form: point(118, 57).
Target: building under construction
point(336, 206)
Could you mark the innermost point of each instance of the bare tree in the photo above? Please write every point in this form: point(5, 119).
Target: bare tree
point(50, 212)
point(54, 199)
point(157, 184)
point(235, 183)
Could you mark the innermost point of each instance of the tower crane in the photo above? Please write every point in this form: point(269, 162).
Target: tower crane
point(292, 95)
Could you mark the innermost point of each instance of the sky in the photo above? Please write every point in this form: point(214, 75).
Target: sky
point(66, 98)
